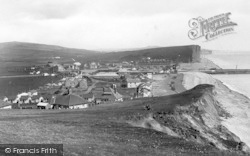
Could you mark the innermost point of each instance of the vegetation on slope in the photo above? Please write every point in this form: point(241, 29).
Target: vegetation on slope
point(113, 129)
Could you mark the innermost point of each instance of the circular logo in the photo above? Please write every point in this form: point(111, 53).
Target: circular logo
point(7, 150)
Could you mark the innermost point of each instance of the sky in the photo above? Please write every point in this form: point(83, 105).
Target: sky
point(120, 24)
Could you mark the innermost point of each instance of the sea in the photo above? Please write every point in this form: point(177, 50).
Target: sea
point(239, 125)
point(233, 60)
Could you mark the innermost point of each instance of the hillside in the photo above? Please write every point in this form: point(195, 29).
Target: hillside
point(20, 51)
point(16, 55)
point(181, 124)
point(185, 53)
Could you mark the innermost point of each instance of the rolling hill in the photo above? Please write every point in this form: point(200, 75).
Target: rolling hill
point(185, 53)
point(17, 55)
point(21, 54)
point(18, 51)
point(21, 51)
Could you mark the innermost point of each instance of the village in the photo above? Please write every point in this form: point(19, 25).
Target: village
point(90, 84)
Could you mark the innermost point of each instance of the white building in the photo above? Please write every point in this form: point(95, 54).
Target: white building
point(150, 75)
point(107, 74)
point(93, 65)
point(133, 83)
point(78, 106)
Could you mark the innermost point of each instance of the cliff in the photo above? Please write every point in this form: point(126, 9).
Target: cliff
point(195, 115)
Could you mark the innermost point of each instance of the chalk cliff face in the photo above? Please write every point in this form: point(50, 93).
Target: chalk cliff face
point(234, 103)
point(199, 120)
point(195, 115)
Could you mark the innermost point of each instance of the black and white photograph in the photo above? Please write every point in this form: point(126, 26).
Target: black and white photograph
point(124, 78)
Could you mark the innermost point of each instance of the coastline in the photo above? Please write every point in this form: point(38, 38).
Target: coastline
point(233, 89)
point(217, 64)
point(233, 100)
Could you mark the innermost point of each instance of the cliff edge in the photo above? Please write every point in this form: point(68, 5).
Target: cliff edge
point(197, 115)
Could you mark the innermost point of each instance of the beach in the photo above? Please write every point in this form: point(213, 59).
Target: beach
point(232, 91)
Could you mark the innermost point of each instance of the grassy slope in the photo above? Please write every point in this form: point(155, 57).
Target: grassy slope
point(100, 130)
point(15, 55)
point(38, 53)
point(185, 53)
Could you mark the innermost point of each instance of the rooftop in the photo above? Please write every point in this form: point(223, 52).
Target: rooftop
point(133, 80)
point(69, 100)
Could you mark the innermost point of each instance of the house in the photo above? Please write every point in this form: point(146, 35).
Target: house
point(104, 98)
point(69, 66)
point(37, 99)
point(131, 82)
point(153, 63)
point(107, 74)
point(93, 65)
point(77, 65)
point(107, 91)
point(25, 99)
point(85, 66)
point(118, 97)
point(46, 98)
point(71, 101)
point(12, 99)
point(144, 90)
point(45, 74)
point(103, 95)
point(88, 97)
point(33, 92)
point(5, 99)
point(54, 67)
point(5, 105)
point(150, 75)
point(43, 105)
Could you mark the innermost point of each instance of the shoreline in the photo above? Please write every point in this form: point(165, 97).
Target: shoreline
point(226, 84)
point(233, 89)
point(233, 102)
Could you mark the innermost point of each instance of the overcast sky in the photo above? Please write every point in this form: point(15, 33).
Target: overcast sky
point(118, 24)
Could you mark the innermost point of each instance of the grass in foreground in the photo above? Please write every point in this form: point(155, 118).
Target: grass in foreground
point(99, 130)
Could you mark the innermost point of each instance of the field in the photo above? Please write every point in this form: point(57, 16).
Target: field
point(99, 130)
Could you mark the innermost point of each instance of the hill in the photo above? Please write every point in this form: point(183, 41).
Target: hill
point(170, 125)
point(21, 51)
point(16, 55)
point(183, 53)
